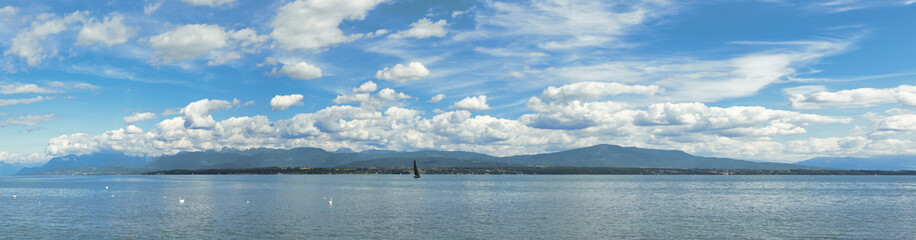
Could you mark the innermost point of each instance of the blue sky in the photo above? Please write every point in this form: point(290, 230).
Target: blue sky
point(762, 80)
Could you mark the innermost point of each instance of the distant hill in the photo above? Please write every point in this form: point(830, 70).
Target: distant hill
point(424, 163)
point(596, 156)
point(8, 169)
point(631, 157)
point(107, 162)
point(893, 162)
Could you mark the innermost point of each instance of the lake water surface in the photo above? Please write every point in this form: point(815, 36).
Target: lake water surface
point(457, 206)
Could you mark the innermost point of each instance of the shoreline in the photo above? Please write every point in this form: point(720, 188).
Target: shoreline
point(523, 171)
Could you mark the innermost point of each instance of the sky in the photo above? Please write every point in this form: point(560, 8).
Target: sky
point(779, 81)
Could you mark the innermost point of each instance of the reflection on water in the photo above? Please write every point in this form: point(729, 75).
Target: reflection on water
point(443, 206)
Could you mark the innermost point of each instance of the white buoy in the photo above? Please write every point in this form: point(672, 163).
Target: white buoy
point(331, 202)
point(14, 196)
point(106, 187)
point(112, 195)
point(247, 202)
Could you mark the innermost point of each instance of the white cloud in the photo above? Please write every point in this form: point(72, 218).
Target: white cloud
point(9, 10)
point(437, 98)
point(211, 3)
point(283, 102)
point(27, 120)
point(401, 73)
point(380, 122)
point(7, 102)
point(313, 24)
point(239, 104)
point(188, 41)
point(74, 85)
point(139, 117)
point(390, 94)
point(368, 101)
point(23, 88)
point(359, 97)
point(299, 70)
point(861, 97)
point(516, 74)
point(152, 7)
point(472, 103)
point(566, 24)
point(110, 31)
point(709, 80)
point(503, 52)
point(423, 28)
point(366, 87)
point(268, 61)
point(29, 44)
point(573, 115)
point(224, 58)
point(595, 90)
point(16, 158)
point(459, 13)
point(197, 114)
point(196, 40)
point(685, 118)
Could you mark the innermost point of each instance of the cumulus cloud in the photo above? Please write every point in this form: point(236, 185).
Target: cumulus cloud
point(366, 87)
point(139, 117)
point(595, 90)
point(196, 40)
point(681, 118)
point(299, 70)
point(741, 131)
point(401, 73)
point(283, 102)
point(29, 44)
point(27, 120)
point(110, 31)
point(423, 28)
point(390, 94)
point(197, 114)
point(224, 58)
point(437, 98)
point(188, 41)
point(573, 115)
point(472, 103)
point(313, 24)
point(861, 97)
point(367, 100)
point(211, 3)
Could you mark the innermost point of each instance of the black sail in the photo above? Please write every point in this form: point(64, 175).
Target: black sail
point(416, 170)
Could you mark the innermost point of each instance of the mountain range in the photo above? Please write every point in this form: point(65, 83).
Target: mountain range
point(595, 156)
point(891, 162)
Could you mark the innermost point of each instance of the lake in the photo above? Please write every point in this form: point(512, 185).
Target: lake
point(457, 206)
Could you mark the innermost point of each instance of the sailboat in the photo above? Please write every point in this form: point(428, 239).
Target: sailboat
point(416, 170)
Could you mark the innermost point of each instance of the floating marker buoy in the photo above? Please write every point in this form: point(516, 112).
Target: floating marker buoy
point(106, 187)
point(14, 196)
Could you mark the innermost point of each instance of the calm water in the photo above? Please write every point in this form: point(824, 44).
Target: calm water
point(477, 206)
